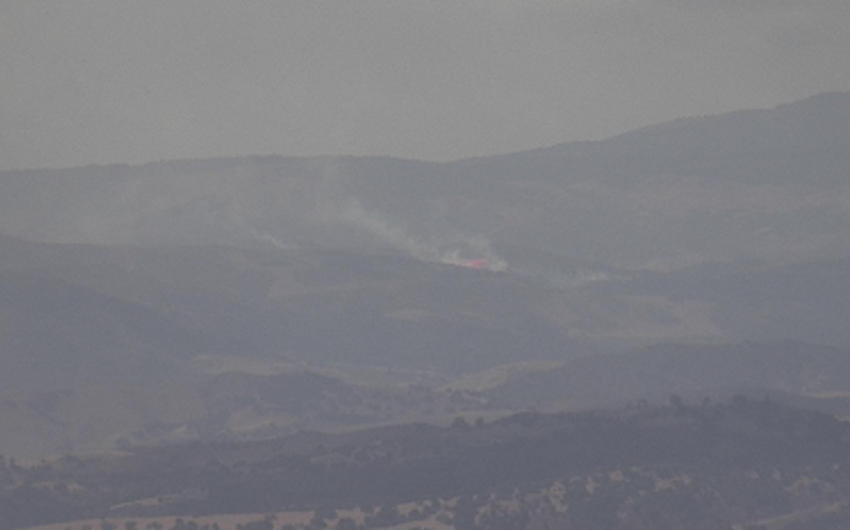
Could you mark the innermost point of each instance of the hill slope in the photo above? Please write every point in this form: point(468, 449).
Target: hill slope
point(761, 184)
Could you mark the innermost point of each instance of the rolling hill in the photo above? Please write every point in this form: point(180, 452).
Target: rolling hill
point(127, 289)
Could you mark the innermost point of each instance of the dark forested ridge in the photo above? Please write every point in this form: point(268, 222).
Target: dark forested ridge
point(677, 466)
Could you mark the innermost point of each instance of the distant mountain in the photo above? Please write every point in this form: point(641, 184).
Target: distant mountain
point(797, 145)
point(764, 184)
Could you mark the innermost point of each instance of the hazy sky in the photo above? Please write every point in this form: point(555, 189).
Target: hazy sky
point(86, 82)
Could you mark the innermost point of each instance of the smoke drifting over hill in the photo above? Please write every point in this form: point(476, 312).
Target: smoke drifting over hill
point(473, 252)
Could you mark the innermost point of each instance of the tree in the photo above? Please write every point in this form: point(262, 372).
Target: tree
point(676, 402)
point(267, 523)
point(346, 523)
point(460, 423)
point(465, 513)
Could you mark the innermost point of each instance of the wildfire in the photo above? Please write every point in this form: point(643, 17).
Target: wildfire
point(478, 263)
point(482, 264)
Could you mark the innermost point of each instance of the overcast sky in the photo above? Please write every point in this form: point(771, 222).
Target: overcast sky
point(94, 82)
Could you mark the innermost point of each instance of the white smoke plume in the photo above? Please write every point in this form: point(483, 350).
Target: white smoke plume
point(336, 204)
point(464, 251)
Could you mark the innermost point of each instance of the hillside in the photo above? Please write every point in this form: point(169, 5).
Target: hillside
point(694, 372)
point(156, 303)
point(99, 339)
point(709, 466)
point(764, 184)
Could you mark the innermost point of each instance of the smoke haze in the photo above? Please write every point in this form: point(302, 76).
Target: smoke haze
point(94, 82)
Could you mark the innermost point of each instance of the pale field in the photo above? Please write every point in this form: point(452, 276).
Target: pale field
point(299, 519)
point(225, 522)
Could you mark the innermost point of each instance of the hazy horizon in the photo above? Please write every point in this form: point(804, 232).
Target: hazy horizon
point(93, 82)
